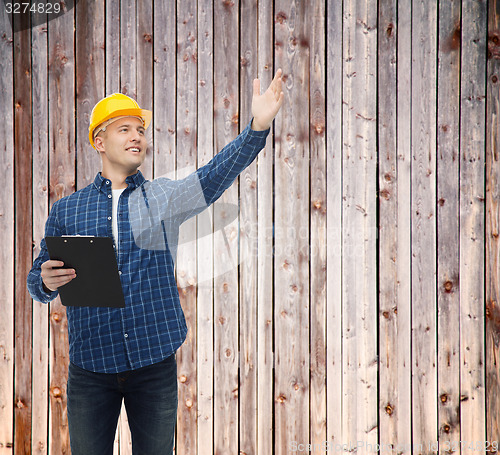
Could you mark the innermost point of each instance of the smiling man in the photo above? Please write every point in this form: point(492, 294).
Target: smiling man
point(128, 354)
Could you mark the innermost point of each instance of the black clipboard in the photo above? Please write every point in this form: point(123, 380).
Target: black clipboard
point(97, 282)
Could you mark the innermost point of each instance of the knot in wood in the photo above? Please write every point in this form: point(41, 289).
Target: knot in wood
point(389, 409)
point(446, 428)
point(385, 314)
point(182, 378)
point(20, 404)
point(56, 317)
point(228, 352)
point(317, 204)
point(448, 286)
point(281, 398)
point(56, 392)
point(147, 37)
point(189, 403)
point(444, 398)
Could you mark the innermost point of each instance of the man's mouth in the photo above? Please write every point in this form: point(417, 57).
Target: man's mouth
point(134, 149)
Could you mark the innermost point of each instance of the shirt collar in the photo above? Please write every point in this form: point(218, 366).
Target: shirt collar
point(133, 181)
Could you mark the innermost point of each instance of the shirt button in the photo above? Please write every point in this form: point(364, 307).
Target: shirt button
point(109, 195)
point(107, 182)
point(109, 217)
point(126, 335)
point(119, 272)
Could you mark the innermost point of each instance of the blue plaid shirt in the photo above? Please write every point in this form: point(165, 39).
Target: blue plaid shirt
point(152, 326)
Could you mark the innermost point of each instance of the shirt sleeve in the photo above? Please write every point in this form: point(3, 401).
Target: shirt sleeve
point(35, 284)
point(221, 171)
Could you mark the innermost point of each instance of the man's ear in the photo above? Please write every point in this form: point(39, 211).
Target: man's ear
point(99, 144)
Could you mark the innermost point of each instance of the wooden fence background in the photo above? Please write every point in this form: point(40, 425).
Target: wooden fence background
point(365, 307)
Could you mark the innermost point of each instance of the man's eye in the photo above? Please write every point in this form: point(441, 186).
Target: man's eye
point(123, 129)
point(141, 132)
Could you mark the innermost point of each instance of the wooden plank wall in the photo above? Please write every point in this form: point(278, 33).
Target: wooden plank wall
point(361, 304)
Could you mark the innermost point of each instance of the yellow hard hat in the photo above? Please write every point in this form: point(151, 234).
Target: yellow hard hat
point(116, 105)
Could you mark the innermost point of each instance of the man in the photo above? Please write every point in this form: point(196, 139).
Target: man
point(129, 353)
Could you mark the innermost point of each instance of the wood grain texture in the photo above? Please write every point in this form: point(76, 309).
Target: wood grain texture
point(265, 288)
point(448, 293)
point(226, 53)
point(248, 54)
point(40, 389)
point(472, 198)
point(7, 233)
point(205, 310)
point(317, 224)
point(334, 221)
point(388, 225)
point(61, 85)
point(164, 74)
point(291, 228)
point(23, 237)
point(492, 272)
point(359, 224)
point(403, 188)
point(144, 69)
point(186, 163)
point(90, 84)
point(112, 47)
point(423, 236)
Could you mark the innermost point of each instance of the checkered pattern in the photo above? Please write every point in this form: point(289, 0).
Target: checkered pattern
point(152, 325)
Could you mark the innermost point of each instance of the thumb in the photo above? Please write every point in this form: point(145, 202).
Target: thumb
point(256, 87)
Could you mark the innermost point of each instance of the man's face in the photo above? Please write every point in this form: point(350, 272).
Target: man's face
point(123, 145)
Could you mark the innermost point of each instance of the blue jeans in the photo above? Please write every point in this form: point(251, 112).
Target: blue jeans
point(95, 400)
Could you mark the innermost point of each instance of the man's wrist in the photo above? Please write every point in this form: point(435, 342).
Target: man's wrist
point(256, 127)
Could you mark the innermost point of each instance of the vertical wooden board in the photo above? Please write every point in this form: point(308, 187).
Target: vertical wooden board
point(128, 86)
point(248, 241)
point(359, 230)
point(492, 273)
point(90, 83)
point(62, 183)
point(291, 229)
point(112, 46)
point(265, 244)
point(186, 258)
point(334, 409)
point(7, 232)
point(317, 210)
point(403, 189)
point(388, 215)
point(23, 236)
point(423, 131)
point(164, 74)
point(145, 74)
point(472, 197)
point(205, 310)
point(448, 140)
point(128, 47)
point(40, 392)
point(226, 241)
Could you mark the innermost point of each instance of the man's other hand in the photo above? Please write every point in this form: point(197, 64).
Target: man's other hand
point(266, 106)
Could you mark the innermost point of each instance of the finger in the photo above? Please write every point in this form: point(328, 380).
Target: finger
point(57, 283)
point(277, 78)
point(256, 87)
point(51, 264)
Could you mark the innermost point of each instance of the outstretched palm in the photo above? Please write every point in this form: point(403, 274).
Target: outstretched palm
point(266, 106)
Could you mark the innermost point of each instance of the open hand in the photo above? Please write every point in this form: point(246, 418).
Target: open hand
point(266, 106)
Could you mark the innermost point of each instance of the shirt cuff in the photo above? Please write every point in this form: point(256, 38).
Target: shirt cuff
point(256, 137)
point(46, 296)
